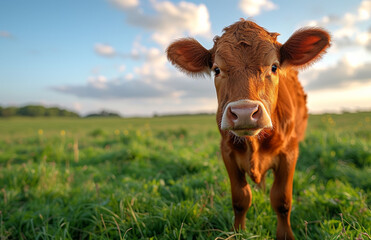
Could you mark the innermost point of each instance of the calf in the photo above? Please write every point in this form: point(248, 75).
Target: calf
point(262, 113)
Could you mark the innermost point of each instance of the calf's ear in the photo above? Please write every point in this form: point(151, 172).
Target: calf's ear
point(304, 47)
point(189, 56)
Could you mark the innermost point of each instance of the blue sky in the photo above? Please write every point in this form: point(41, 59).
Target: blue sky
point(109, 54)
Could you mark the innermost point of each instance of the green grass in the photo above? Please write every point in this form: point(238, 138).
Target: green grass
point(163, 178)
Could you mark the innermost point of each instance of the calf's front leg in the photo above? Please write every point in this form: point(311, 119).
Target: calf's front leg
point(241, 192)
point(281, 194)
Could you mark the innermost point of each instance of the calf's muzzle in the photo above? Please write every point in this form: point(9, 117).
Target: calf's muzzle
point(245, 117)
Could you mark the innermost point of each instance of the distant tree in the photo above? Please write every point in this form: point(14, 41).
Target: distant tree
point(103, 113)
point(35, 111)
point(9, 112)
point(52, 112)
point(32, 111)
point(65, 113)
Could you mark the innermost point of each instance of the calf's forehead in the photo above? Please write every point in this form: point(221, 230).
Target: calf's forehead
point(238, 56)
point(246, 43)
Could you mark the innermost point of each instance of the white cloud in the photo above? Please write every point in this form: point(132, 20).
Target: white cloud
point(125, 4)
point(104, 50)
point(364, 39)
point(344, 74)
point(364, 10)
point(114, 89)
point(98, 82)
point(171, 20)
point(153, 79)
point(155, 67)
point(347, 30)
point(185, 16)
point(255, 7)
point(348, 19)
point(145, 85)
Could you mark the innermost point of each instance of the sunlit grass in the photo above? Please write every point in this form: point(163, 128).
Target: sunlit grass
point(163, 178)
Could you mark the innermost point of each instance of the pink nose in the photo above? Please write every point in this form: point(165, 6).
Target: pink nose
point(244, 116)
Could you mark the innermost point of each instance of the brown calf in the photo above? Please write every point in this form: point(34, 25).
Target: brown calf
point(262, 113)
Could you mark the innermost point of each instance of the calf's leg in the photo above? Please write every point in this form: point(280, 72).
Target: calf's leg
point(241, 193)
point(281, 193)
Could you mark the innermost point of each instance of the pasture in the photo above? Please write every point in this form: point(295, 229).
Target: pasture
point(163, 178)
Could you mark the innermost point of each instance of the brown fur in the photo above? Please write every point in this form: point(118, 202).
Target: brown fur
point(245, 54)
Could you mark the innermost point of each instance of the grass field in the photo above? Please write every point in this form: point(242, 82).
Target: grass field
point(163, 178)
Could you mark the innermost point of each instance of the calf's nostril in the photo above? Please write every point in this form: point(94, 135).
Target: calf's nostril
point(256, 113)
point(233, 115)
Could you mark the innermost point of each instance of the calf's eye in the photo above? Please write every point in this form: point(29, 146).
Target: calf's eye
point(274, 68)
point(217, 71)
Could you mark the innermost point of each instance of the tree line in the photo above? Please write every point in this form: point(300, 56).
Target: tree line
point(35, 111)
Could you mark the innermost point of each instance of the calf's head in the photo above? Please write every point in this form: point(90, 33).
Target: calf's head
point(247, 64)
